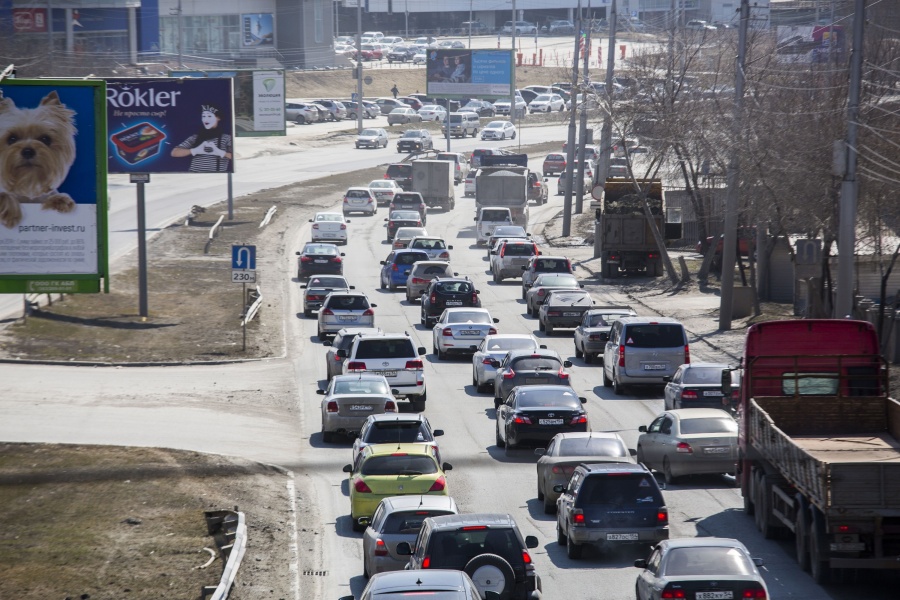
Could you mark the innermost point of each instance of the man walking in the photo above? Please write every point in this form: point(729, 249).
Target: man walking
point(395, 91)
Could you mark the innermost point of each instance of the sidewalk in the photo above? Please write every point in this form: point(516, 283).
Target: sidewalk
point(694, 306)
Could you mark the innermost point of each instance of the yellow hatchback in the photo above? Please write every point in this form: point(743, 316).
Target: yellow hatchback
point(383, 470)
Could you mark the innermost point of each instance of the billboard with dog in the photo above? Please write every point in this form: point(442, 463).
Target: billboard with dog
point(165, 125)
point(53, 203)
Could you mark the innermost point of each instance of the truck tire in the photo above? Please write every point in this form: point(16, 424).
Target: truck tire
point(818, 555)
point(801, 535)
point(765, 522)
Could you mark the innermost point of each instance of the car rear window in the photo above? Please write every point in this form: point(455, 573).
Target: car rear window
point(381, 348)
point(326, 282)
point(453, 549)
point(357, 193)
point(432, 270)
point(703, 375)
point(467, 317)
point(541, 398)
point(399, 464)
point(400, 432)
point(603, 320)
point(495, 345)
point(409, 522)
point(620, 489)
point(408, 258)
point(707, 562)
point(429, 244)
point(552, 280)
point(551, 265)
point(591, 446)
point(708, 425)
point(454, 287)
point(519, 250)
point(360, 386)
point(536, 364)
point(399, 170)
point(347, 302)
point(495, 215)
point(574, 297)
point(653, 336)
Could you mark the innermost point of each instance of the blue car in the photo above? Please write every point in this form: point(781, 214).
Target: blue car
point(395, 268)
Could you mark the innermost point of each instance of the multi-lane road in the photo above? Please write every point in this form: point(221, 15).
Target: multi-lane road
point(272, 413)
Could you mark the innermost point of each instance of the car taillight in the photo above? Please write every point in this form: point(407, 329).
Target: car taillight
point(305, 259)
point(331, 407)
point(360, 486)
point(386, 176)
point(447, 332)
point(502, 250)
point(756, 592)
point(390, 406)
point(426, 562)
point(509, 374)
point(343, 227)
point(418, 280)
point(578, 517)
point(526, 558)
point(439, 484)
point(492, 331)
point(594, 337)
point(390, 224)
point(689, 395)
point(567, 470)
point(486, 360)
point(414, 364)
point(662, 516)
point(327, 312)
point(315, 226)
point(554, 313)
point(541, 291)
point(522, 420)
point(370, 200)
point(621, 356)
point(670, 592)
point(314, 297)
point(394, 267)
point(380, 548)
point(356, 366)
point(368, 313)
point(684, 448)
point(445, 254)
point(687, 354)
point(337, 259)
point(346, 200)
point(475, 298)
point(562, 374)
point(578, 420)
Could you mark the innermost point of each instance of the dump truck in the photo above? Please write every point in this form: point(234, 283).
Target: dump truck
point(627, 244)
point(503, 180)
point(434, 180)
point(819, 443)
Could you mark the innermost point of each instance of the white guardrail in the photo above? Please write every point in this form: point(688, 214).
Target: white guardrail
point(230, 525)
point(253, 309)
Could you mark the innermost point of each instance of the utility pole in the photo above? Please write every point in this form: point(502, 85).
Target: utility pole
point(849, 187)
point(729, 241)
point(570, 143)
point(180, 36)
point(359, 68)
point(606, 133)
point(512, 103)
point(582, 125)
point(470, 24)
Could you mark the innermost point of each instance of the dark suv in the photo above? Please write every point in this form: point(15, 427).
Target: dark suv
point(401, 173)
point(489, 547)
point(447, 292)
point(610, 504)
point(409, 201)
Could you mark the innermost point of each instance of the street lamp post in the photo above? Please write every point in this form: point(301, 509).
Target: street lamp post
point(470, 24)
point(359, 77)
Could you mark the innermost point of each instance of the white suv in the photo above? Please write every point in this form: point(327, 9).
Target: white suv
point(393, 355)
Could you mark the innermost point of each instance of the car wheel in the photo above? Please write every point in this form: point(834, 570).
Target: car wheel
point(497, 278)
point(573, 550)
point(491, 573)
point(504, 136)
point(441, 355)
point(667, 472)
point(381, 281)
point(523, 293)
point(357, 146)
point(307, 314)
point(549, 505)
point(540, 325)
point(548, 329)
point(514, 135)
point(578, 352)
point(475, 380)
point(497, 439)
point(639, 457)
point(618, 388)
point(606, 380)
point(392, 287)
point(535, 311)
point(328, 437)
point(560, 535)
point(588, 357)
point(356, 526)
point(300, 120)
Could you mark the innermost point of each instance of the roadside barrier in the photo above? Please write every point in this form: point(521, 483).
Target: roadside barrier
point(269, 214)
point(230, 531)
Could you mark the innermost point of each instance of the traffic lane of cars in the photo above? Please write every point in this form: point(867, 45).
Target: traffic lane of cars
point(470, 481)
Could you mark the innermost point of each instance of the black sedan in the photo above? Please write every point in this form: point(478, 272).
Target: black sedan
point(317, 259)
point(402, 218)
point(701, 567)
point(401, 54)
point(563, 308)
point(317, 288)
point(447, 292)
point(415, 140)
point(482, 108)
point(536, 413)
point(528, 367)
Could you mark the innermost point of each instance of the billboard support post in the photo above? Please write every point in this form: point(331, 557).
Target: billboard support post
point(359, 68)
point(230, 198)
point(570, 148)
point(142, 248)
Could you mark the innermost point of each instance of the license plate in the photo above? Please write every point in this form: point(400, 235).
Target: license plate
point(360, 407)
point(716, 450)
point(720, 595)
point(550, 421)
point(387, 373)
point(320, 261)
point(453, 303)
point(469, 332)
point(347, 318)
point(570, 314)
point(535, 380)
point(654, 367)
point(712, 393)
point(622, 537)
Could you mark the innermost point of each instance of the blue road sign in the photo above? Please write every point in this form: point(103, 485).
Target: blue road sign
point(243, 258)
point(354, 97)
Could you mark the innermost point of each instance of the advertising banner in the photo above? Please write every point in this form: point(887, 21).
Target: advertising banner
point(257, 29)
point(258, 99)
point(809, 44)
point(53, 205)
point(469, 73)
point(30, 20)
point(162, 125)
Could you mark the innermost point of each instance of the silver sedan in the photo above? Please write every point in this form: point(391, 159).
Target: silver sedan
point(350, 399)
point(690, 441)
point(460, 330)
point(592, 333)
point(495, 347)
point(699, 385)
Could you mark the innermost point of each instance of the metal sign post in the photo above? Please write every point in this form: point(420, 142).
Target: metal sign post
point(140, 179)
point(243, 271)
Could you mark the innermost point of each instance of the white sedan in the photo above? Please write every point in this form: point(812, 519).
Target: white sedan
point(460, 330)
point(384, 190)
point(547, 103)
point(433, 112)
point(329, 227)
point(495, 347)
point(499, 130)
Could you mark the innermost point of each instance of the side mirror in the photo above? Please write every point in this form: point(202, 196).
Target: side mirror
point(642, 429)
point(495, 320)
point(347, 469)
point(302, 286)
point(310, 220)
point(326, 343)
point(421, 350)
point(297, 253)
point(581, 285)
point(540, 253)
point(381, 262)
point(583, 399)
point(437, 432)
point(543, 346)
point(477, 291)
point(567, 363)
point(641, 563)
point(667, 378)
point(531, 541)
point(455, 274)
point(491, 595)
point(447, 466)
point(540, 451)
point(320, 392)
point(726, 382)
point(495, 363)
point(346, 220)
point(386, 220)
point(395, 392)
point(346, 598)
point(758, 562)
point(341, 353)
point(373, 306)
point(475, 219)
point(342, 254)
point(404, 549)
point(364, 521)
point(632, 452)
point(524, 268)
point(352, 287)
point(559, 488)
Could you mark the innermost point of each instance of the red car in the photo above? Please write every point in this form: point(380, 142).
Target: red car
point(413, 103)
point(553, 164)
point(366, 54)
point(746, 241)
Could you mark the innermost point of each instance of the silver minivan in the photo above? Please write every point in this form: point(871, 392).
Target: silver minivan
point(462, 123)
point(643, 351)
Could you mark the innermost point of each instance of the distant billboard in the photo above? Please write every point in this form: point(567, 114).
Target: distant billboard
point(808, 44)
point(257, 29)
point(258, 99)
point(469, 73)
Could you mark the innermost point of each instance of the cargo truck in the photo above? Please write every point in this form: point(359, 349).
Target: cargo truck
point(503, 180)
point(819, 443)
point(627, 244)
point(433, 179)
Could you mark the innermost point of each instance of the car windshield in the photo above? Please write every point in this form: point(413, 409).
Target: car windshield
point(621, 489)
point(706, 375)
point(604, 319)
point(495, 125)
point(468, 317)
point(529, 363)
point(654, 335)
point(400, 432)
point(360, 386)
point(369, 132)
point(507, 344)
point(556, 280)
point(413, 134)
point(591, 446)
point(341, 302)
point(431, 107)
point(707, 562)
point(542, 98)
point(542, 398)
point(399, 464)
point(385, 349)
point(327, 282)
point(722, 424)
